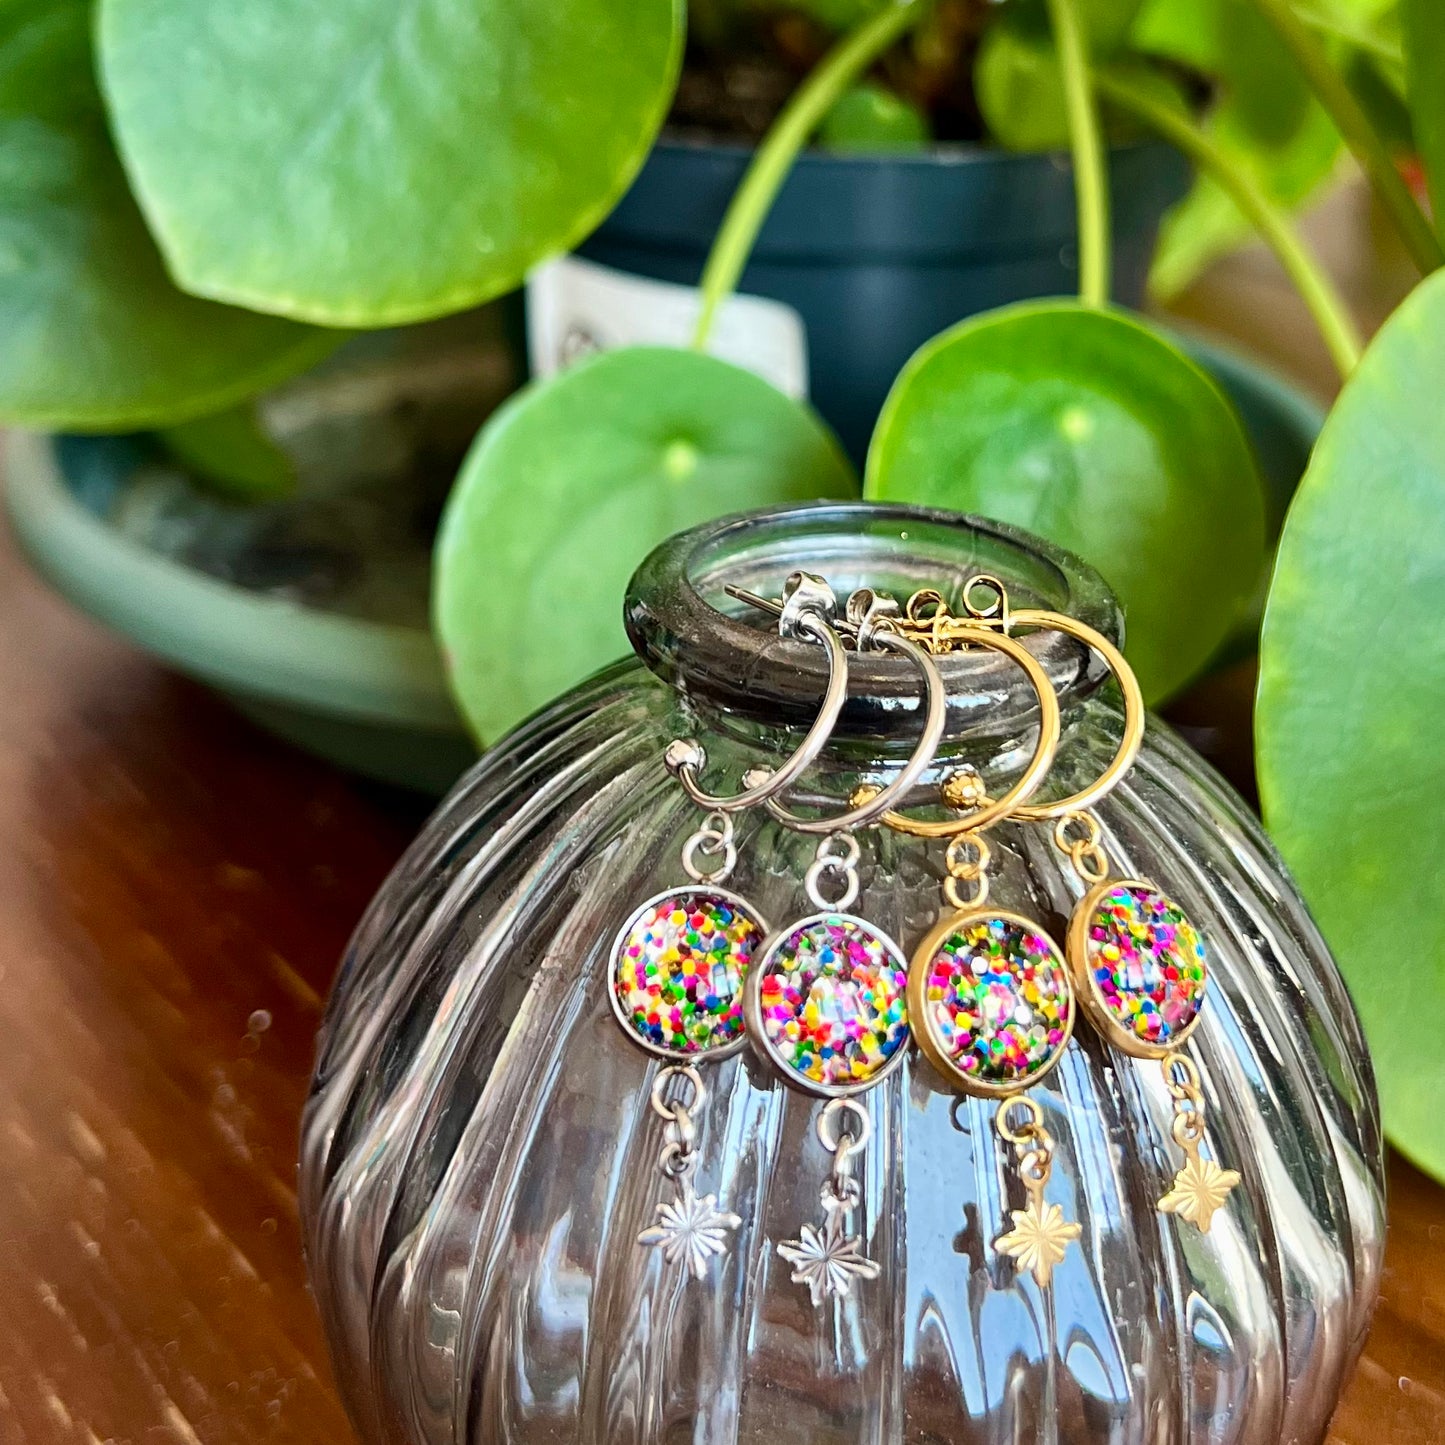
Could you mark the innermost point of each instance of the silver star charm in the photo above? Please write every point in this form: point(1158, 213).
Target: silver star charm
point(690, 1230)
point(826, 1259)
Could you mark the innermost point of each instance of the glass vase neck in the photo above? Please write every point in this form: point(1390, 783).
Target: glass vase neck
point(726, 658)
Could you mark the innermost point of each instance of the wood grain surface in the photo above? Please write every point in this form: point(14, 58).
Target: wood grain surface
point(175, 891)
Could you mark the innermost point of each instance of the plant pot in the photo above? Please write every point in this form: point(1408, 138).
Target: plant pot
point(879, 253)
point(309, 612)
point(368, 693)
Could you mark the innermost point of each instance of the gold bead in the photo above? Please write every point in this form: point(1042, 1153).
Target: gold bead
point(963, 790)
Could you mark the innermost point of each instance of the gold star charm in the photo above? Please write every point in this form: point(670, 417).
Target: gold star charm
point(1199, 1190)
point(1040, 1237)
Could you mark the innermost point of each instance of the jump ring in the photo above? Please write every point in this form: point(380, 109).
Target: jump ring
point(1190, 1085)
point(665, 1076)
point(955, 898)
point(1034, 1129)
point(699, 843)
point(1090, 863)
point(674, 1160)
point(717, 825)
point(830, 1133)
point(1134, 714)
point(960, 866)
point(1034, 1166)
point(1188, 1129)
point(847, 858)
point(823, 867)
point(1087, 821)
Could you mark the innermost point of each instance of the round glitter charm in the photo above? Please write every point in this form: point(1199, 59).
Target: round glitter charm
point(991, 1001)
point(827, 1004)
point(1139, 966)
point(678, 969)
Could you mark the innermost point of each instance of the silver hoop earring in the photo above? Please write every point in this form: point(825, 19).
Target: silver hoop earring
point(679, 963)
point(825, 1001)
point(870, 613)
point(806, 614)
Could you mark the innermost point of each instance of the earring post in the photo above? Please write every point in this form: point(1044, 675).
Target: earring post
point(766, 604)
point(775, 609)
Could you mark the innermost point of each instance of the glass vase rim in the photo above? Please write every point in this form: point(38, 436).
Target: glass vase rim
point(720, 654)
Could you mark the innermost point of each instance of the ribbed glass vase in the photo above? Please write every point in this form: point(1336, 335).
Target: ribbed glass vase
point(479, 1155)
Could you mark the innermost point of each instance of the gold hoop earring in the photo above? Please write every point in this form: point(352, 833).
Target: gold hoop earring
point(990, 996)
point(1139, 964)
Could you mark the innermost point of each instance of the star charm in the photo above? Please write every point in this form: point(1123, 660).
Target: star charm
point(1039, 1239)
point(690, 1230)
point(826, 1259)
point(1199, 1191)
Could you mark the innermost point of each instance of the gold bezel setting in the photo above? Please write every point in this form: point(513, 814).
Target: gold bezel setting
point(921, 1019)
point(1086, 986)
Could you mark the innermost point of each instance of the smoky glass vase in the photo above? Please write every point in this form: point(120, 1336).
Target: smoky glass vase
point(479, 1154)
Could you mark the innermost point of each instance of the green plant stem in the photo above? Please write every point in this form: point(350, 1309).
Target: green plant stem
point(754, 197)
point(1358, 35)
point(1091, 178)
point(1354, 125)
point(1319, 293)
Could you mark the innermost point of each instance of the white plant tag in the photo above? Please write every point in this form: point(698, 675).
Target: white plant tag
point(576, 307)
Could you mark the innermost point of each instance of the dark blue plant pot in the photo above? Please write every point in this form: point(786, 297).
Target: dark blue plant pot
point(879, 253)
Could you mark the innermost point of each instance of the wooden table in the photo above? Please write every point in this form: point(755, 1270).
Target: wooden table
point(175, 890)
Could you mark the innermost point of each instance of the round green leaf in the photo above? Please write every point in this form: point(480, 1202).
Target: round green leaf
point(1107, 23)
point(93, 334)
point(1348, 723)
point(364, 162)
point(1020, 90)
point(1091, 429)
point(869, 120)
point(1264, 119)
point(573, 482)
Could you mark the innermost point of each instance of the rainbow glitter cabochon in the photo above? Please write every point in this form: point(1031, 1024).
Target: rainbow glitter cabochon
point(1139, 966)
point(990, 1000)
point(827, 1004)
point(678, 969)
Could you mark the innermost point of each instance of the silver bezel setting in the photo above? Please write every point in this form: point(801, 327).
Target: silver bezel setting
point(756, 1032)
point(682, 890)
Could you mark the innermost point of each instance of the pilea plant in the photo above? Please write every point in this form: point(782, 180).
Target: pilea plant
point(362, 168)
point(260, 177)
